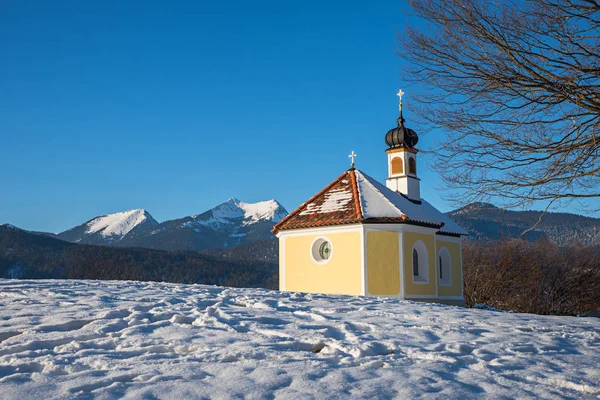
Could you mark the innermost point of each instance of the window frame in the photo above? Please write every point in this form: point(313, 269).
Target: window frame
point(397, 160)
point(423, 263)
point(412, 166)
point(316, 245)
point(444, 253)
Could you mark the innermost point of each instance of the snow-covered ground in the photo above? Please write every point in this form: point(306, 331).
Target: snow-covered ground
point(97, 339)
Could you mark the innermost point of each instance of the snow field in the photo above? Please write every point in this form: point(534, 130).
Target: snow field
point(100, 339)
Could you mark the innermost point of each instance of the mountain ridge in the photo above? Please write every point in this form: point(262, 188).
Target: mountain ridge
point(233, 223)
point(230, 223)
point(485, 221)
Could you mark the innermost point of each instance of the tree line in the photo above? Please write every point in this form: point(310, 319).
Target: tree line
point(538, 278)
point(37, 257)
point(517, 275)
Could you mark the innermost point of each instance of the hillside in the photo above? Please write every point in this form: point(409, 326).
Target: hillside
point(98, 339)
point(34, 256)
point(485, 221)
point(262, 251)
point(109, 229)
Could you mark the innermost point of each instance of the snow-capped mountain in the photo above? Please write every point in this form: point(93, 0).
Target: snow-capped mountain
point(109, 229)
point(9, 226)
point(234, 211)
point(230, 223)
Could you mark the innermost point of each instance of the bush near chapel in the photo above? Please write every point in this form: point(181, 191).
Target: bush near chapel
point(538, 278)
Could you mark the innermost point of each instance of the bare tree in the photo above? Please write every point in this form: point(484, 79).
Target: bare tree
point(540, 277)
point(516, 87)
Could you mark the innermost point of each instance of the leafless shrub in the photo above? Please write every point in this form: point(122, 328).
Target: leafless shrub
point(539, 278)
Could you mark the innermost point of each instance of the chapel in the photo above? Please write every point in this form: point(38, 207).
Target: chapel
point(358, 236)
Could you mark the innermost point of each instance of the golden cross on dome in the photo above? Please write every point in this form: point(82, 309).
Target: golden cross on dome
point(400, 94)
point(352, 156)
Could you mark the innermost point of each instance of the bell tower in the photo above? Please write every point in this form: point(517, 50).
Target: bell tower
point(402, 159)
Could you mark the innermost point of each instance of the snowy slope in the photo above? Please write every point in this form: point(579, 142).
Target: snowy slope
point(98, 339)
point(119, 224)
point(234, 211)
point(9, 226)
point(228, 224)
point(109, 229)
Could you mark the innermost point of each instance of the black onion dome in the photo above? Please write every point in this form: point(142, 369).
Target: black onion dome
point(401, 136)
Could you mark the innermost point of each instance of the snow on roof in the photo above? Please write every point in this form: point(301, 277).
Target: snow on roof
point(373, 199)
point(396, 205)
point(337, 204)
point(118, 224)
point(335, 200)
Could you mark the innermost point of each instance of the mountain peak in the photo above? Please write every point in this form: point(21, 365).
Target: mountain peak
point(9, 226)
point(229, 223)
point(480, 205)
point(109, 228)
point(118, 224)
point(234, 210)
point(477, 206)
point(263, 210)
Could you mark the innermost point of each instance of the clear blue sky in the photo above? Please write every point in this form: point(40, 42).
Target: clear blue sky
point(176, 106)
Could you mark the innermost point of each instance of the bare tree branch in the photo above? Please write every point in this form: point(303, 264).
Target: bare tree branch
point(516, 86)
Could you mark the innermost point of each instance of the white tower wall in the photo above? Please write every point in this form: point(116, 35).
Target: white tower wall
point(404, 182)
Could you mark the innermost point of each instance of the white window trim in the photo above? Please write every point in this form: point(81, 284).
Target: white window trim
point(421, 281)
point(321, 262)
point(445, 282)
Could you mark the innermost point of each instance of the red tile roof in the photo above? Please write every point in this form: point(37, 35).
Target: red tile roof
point(336, 204)
point(354, 197)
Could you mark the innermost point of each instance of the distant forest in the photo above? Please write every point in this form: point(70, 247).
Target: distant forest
point(30, 256)
point(517, 275)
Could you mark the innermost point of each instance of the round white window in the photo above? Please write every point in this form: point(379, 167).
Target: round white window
point(321, 250)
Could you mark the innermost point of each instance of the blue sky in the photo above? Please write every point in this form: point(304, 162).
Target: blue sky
point(176, 106)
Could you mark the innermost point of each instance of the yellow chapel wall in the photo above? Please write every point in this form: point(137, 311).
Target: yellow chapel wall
point(383, 263)
point(454, 249)
point(342, 274)
point(419, 289)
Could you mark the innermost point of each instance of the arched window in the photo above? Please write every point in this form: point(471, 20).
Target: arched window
point(445, 267)
point(412, 166)
point(420, 263)
point(415, 262)
point(397, 166)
